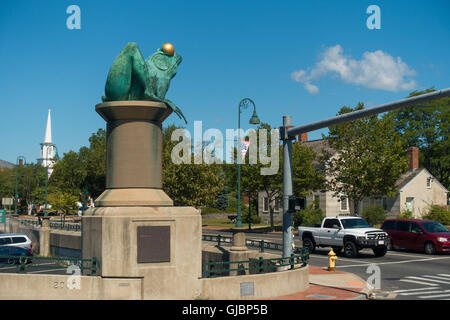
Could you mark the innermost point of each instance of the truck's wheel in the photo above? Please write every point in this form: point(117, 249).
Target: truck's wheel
point(337, 250)
point(308, 243)
point(380, 251)
point(350, 249)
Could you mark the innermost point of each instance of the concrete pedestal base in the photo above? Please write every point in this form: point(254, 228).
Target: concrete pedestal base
point(112, 235)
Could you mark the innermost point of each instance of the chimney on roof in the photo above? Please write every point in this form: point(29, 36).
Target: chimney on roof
point(302, 137)
point(413, 156)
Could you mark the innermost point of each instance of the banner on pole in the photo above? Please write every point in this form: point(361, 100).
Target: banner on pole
point(244, 148)
point(49, 172)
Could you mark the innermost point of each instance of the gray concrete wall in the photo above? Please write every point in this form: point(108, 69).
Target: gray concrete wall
point(267, 285)
point(54, 287)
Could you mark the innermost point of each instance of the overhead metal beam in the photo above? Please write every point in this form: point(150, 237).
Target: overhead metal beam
point(292, 132)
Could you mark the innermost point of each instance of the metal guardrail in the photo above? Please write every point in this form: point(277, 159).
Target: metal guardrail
point(68, 226)
point(65, 226)
point(262, 244)
point(26, 263)
point(213, 269)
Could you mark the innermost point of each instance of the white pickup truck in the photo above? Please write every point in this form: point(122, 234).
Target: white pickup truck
point(350, 233)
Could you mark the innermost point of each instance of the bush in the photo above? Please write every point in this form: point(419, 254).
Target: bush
point(407, 214)
point(374, 214)
point(255, 219)
point(439, 214)
point(308, 217)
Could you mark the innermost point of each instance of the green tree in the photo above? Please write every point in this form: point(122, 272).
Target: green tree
point(427, 126)
point(70, 173)
point(189, 184)
point(371, 157)
point(305, 177)
point(95, 160)
point(62, 201)
point(7, 183)
point(30, 177)
point(374, 214)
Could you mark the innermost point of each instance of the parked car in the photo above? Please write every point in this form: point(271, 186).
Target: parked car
point(421, 235)
point(350, 233)
point(20, 240)
point(18, 252)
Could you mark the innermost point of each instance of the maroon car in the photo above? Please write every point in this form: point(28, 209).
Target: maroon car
point(421, 235)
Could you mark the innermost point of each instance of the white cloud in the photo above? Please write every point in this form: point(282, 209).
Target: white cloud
point(376, 70)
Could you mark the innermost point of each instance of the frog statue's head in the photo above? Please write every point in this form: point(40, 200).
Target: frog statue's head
point(164, 61)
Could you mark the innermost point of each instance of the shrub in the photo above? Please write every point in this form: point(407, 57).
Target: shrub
point(308, 216)
point(374, 214)
point(439, 214)
point(407, 214)
point(255, 219)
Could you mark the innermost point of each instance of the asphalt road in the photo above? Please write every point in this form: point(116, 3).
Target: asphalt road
point(410, 275)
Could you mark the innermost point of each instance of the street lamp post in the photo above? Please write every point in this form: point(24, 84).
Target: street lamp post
point(253, 120)
point(19, 161)
point(46, 180)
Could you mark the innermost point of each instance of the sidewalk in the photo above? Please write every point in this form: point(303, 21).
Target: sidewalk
point(325, 285)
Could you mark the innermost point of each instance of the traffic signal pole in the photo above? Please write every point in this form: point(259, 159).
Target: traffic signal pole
point(288, 133)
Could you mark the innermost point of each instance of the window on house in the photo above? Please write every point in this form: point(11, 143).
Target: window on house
point(344, 204)
point(265, 204)
point(277, 205)
point(316, 201)
point(429, 180)
point(384, 203)
point(409, 203)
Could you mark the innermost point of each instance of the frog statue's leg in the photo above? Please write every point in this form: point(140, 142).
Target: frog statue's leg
point(128, 77)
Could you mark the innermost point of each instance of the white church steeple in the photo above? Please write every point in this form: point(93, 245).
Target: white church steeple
point(47, 147)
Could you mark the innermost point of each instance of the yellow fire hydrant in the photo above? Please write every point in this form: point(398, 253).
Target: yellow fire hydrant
point(332, 260)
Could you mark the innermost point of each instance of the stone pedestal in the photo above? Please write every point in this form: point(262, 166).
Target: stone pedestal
point(239, 250)
point(44, 237)
point(135, 230)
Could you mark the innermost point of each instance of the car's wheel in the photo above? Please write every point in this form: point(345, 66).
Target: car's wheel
point(350, 249)
point(380, 251)
point(430, 248)
point(11, 261)
point(308, 243)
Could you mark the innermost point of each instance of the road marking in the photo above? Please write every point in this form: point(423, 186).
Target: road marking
point(409, 290)
point(436, 277)
point(419, 282)
point(432, 280)
point(403, 255)
point(435, 296)
point(394, 262)
point(426, 292)
point(444, 274)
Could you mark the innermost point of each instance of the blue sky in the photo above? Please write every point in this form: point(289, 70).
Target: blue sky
point(300, 58)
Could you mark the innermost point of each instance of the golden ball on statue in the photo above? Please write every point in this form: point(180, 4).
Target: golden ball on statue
point(168, 49)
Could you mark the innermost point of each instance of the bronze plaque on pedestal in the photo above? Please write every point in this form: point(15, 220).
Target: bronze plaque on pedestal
point(153, 244)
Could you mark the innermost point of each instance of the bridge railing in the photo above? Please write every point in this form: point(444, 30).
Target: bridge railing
point(24, 264)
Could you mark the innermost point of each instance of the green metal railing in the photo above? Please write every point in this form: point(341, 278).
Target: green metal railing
point(65, 226)
point(24, 263)
point(262, 244)
point(34, 223)
point(68, 226)
point(213, 269)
